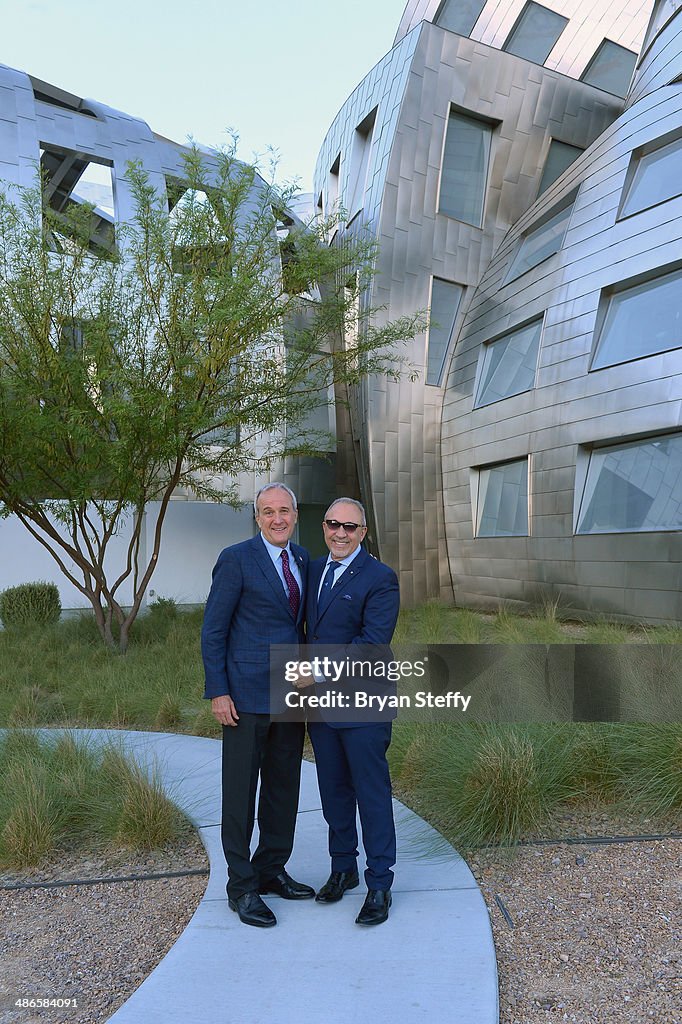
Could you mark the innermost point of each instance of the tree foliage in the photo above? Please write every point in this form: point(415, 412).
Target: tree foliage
point(194, 349)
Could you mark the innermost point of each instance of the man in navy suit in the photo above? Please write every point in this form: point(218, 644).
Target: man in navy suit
point(257, 599)
point(354, 599)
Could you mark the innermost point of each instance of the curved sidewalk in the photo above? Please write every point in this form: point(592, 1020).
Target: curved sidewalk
point(433, 961)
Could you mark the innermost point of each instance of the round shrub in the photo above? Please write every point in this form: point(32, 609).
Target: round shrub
point(30, 604)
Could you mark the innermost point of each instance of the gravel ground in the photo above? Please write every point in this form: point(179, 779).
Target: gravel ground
point(94, 943)
point(596, 933)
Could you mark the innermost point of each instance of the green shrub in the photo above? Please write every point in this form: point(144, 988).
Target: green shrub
point(483, 783)
point(30, 604)
point(169, 714)
point(29, 823)
point(595, 760)
point(205, 724)
point(163, 609)
point(654, 762)
point(138, 812)
point(67, 791)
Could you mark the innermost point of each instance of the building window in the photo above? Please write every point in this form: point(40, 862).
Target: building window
point(535, 33)
point(445, 300)
point(508, 365)
point(654, 176)
point(333, 186)
point(560, 156)
point(640, 321)
point(633, 487)
point(458, 16)
point(611, 68)
point(540, 243)
point(465, 168)
point(502, 505)
point(69, 180)
point(46, 93)
point(359, 163)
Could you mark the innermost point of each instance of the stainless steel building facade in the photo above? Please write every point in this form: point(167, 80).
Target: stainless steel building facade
point(519, 164)
point(524, 184)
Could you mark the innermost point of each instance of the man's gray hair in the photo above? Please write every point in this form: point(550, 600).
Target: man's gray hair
point(348, 501)
point(272, 487)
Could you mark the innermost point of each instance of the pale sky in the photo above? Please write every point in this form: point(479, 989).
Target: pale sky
point(275, 72)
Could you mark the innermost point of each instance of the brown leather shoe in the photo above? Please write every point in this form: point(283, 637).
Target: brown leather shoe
point(335, 886)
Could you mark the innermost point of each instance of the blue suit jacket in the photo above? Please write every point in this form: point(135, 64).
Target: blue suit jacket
point(363, 609)
point(364, 604)
point(247, 610)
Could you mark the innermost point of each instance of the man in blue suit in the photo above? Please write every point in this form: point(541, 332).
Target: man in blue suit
point(354, 599)
point(257, 599)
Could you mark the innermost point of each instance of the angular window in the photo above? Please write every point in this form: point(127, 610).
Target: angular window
point(184, 201)
point(333, 186)
point(653, 177)
point(69, 180)
point(445, 300)
point(359, 163)
point(535, 33)
point(508, 365)
point(503, 500)
point(540, 244)
point(560, 156)
point(459, 16)
point(641, 321)
point(611, 68)
point(633, 487)
point(46, 93)
point(198, 237)
point(465, 168)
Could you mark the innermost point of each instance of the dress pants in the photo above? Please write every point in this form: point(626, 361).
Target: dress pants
point(256, 746)
point(353, 775)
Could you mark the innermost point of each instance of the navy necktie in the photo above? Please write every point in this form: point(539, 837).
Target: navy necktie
point(292, 585)
point(326, 591)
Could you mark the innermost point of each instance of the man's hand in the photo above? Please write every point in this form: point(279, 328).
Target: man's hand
point(224, 710)
point(301, 680)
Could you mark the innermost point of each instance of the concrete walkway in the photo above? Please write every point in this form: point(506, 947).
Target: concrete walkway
point(432, 961)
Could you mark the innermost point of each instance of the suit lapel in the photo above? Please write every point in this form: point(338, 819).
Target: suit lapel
point(346, 580)
point(266, 565)
point(314, 585)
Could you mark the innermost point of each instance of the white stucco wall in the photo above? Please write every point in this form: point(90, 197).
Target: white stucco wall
point(193, 535)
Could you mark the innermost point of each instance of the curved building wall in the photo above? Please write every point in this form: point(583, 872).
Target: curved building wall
point(588, 25)
point(660, 62)
point(579, 409)
point(396, 427)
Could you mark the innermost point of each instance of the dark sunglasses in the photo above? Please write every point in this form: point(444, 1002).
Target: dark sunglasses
point(334, 524)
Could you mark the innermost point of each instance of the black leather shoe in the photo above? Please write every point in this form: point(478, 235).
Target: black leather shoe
point(284, 885)
point(375, 908)
point(335, 886)
point(252, 910)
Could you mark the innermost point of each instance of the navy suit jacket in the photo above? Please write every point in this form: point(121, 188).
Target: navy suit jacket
point(363, 607)
point(247, 610)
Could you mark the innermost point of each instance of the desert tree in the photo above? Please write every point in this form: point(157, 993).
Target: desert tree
point(192, 348)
